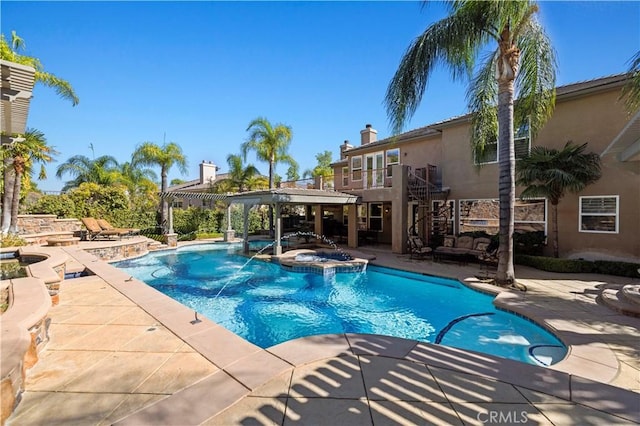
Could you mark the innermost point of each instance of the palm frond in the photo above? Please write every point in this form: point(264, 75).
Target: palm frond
point(482, 98)
point(631, 90)
point(453, 42)
point(535, 81)
point(62, 87)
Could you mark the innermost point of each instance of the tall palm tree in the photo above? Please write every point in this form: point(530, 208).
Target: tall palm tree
point(137, 180)
point(165, 156)
point(523, 62)
point(9, 51)
point(102, 170)
point(271, 144)
point(33, 149)
point(551, 173)
point(240, 176)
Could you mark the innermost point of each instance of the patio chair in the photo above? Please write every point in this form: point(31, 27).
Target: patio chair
point(124, 231)
point(417, 248)
point(94, 231)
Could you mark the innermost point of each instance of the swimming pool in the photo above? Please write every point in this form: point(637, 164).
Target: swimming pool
point(267, 305)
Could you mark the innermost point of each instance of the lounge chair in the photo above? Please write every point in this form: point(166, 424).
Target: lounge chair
point(417, 248)
point(124, 231)
point(94, 231)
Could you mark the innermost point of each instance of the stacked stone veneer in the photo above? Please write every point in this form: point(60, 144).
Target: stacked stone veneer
point(36, 228)
point(121, 250)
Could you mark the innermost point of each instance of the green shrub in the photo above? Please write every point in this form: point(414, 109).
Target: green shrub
point(622, 269)
point(60, 205)
point(206, 235)
point(551, 264)
point(12, 240)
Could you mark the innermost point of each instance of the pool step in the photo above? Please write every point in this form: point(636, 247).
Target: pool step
point(156, 245)
point(624, 299)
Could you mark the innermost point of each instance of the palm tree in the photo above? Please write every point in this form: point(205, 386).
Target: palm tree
point(166, 156)
point(271, 144)
point(240, 176)
point(523, 61)
point(102, 170)
point(551, 173)
point(631, 90)
point(9, 51)
point(24, 153)
point(137, 180)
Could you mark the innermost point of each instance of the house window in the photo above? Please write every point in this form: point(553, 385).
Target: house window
point(393, 157)
point(599, 214)
point(521, 144)
point(345, 176)
point(375, 217)
point(177, 204)
point(362, 217)
point(356, 168)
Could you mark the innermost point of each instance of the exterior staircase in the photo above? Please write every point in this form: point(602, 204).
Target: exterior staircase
point(424, 187)
point(624, 298)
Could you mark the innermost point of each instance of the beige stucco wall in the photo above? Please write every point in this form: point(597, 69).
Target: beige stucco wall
point(596, 118)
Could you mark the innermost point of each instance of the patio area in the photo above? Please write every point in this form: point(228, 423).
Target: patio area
point(121, 352)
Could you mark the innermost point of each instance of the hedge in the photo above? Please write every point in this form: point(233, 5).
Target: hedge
point(551, 264)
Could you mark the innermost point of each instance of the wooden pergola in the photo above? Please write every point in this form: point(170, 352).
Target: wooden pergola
point(277, 198)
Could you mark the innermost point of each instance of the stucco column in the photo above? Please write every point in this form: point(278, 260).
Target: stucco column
point(317, 228)
point(170, 231)
point(277, 247)
point(399, 208)
point(229, 234)
point(352, 226)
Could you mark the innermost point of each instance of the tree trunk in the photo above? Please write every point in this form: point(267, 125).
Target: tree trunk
point(554, 228)
point(506, 183)
point(7, 194)
point(15, 204)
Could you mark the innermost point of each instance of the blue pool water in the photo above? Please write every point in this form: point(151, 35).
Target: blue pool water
point(268, 305)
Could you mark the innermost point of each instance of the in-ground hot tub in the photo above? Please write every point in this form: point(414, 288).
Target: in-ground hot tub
point(322, 262)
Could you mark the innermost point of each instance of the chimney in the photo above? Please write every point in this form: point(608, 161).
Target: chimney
point(368, 135)
point(344, 147)
point(207, 172)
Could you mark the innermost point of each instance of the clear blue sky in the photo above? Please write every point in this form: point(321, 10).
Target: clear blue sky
point(199, 72)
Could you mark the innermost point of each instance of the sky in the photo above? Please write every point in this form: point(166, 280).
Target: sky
point(197, 73)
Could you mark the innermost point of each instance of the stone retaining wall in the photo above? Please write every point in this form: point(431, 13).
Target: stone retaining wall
point(46, 223)
point(120, 251)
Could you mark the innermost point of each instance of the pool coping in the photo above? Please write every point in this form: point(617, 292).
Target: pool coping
point(575, 378)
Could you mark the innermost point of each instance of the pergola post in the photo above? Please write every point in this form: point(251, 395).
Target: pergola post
point(170, 231)
point(277, 246)
point(245, 228)
point(229, 234)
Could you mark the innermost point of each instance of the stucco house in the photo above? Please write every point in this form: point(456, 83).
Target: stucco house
point(427, 181)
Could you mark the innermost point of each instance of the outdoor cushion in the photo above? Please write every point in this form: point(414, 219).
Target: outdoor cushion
point(449, 241)
point(465, 242)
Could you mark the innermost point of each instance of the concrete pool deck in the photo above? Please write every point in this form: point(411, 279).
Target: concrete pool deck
point(121, 352)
